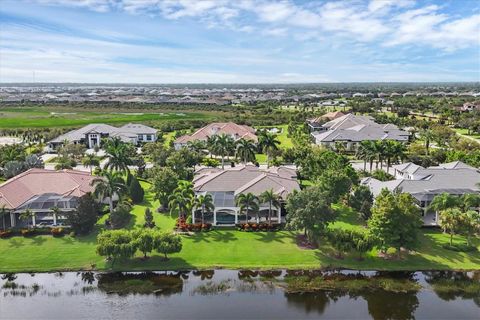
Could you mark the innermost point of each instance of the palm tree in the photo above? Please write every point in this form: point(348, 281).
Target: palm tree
point(117, 155)
point(197, 146)
point(212, 145)
point(224, 146)
point(247, 202)
point(379, 152)
point(63, 162)
point(393, 150)
point(368, 152)
point(362, 154)
point(108, 185)
point(181, 200)
point(444, 201)
point(470, 200)
point(268, 142)
point(27, 216)
point(273, 200)
point(205, 203)
point(450, 220)
point(3, 213)
point(245, 150)
point(55, 211)
point(90, 161)
point(427, 135)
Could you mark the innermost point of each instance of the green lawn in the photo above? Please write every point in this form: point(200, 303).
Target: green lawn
point(31, 117)
point(225, 249)
point(464, 132)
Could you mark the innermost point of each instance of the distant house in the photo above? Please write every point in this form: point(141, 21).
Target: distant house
point(317, 122)
point(40, 190)
point(234, 130)
point(470, 106)
point(456, 178)
point(225, 185)
point(92, 134)
point(351, 129)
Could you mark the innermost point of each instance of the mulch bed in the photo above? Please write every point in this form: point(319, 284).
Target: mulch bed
point(303, 243)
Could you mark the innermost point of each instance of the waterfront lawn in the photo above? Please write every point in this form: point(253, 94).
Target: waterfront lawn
point(225, 248)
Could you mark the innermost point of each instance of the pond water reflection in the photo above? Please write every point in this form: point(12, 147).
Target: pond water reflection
point(245, 294)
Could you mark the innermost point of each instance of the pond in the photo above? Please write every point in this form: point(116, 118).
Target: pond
point(244, 294)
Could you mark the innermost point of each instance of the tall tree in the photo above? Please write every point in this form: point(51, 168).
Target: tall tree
point(247, 202)
point(119, 155)
point(164, 182)
point(90, 161)
point(451, 221)
point(309, 210)
point(268, 143)
point(83, 219)
point(205, 204)
point(108, 185)
point(245, 150)
point(181, 201)
point(273, 200)
point(395, 220)
point(224, 146)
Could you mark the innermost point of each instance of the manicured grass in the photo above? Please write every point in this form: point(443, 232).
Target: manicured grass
point(464, 132)
point(225, 248)
point(58, 117)
point(285, 141)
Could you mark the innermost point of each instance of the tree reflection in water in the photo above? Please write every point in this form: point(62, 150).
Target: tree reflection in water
point(204, 274)
point(451, 285)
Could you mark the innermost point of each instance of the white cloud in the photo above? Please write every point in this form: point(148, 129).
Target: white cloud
point(276, 32)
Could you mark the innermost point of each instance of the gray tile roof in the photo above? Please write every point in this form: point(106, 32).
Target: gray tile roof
point(245, 179)
point(128, 130)
point(459, 179)
point(358, 128)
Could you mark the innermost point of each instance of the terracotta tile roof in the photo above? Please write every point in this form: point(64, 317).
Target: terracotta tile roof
point(19, 189)
point(237, 131)
point(328, 116)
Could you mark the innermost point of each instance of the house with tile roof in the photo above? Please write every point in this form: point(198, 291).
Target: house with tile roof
point(39, 190)
point(456, 178)
point(225, 185)
point(92, 135)
point(316, 123)
point(236, 131)
point(352, 129)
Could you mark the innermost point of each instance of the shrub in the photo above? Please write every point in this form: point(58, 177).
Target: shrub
point(57, 232)
point(149, 223)
point(136, 191)
point(27, 232)
point(5, 234)
point(120, 216)
point(84, 218)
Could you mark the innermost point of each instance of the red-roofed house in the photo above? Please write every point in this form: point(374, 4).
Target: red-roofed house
point(40, 190)
point(234, 130)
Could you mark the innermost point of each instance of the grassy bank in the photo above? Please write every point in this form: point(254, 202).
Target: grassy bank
point(225, 249)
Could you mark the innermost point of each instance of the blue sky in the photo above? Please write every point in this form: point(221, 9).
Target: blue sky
point(236, 41)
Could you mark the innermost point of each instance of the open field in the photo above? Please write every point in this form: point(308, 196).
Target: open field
point(50, 117)
point(224, 248)
point(464, 133)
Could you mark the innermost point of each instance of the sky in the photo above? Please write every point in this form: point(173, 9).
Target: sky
point(239, 41)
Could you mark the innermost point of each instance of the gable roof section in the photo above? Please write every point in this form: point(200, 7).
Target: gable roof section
point(17, 190)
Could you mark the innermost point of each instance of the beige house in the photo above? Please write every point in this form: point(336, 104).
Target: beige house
point(225, 185)
point(236, 131)
point(40, 190)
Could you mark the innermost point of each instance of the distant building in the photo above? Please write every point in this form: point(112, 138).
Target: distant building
point(92, 135)
point(351, 129)
point(226, 184)
point(234, 130)
point(470, 106)
point(317, 122)
point(456, 178)
point(40, 190)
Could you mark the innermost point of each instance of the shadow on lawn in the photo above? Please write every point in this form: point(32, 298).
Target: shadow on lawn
point(15, 243)
point(271, 237)
point(214, 236)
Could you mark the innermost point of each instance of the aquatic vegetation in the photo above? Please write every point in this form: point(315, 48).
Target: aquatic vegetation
point(347, 283)
point(211, 288)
